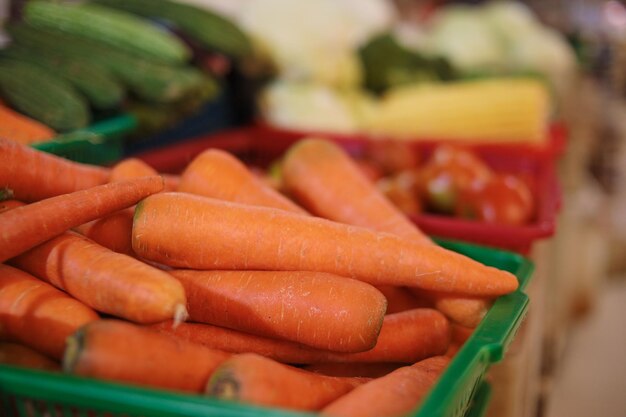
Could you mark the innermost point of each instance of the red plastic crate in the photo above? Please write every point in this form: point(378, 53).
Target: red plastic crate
point(260, 146)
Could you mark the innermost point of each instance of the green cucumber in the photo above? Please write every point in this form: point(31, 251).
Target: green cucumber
point(42, 96)
point(117, 29)
point(207, 28)
point(149, 80)
point(93, 81)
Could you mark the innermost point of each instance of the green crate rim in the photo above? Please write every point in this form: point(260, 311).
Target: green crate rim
point(451, 396)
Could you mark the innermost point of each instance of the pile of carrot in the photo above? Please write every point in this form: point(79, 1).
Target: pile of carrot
point(214, 282)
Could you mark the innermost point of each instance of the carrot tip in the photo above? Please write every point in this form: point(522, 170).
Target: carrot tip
point(180, 315)
point(6, 194)
point(73, 347)
point(223, 385)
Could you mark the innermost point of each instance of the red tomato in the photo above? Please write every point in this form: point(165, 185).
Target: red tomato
point(503, 199)
point(401, 190)
point(450, 170)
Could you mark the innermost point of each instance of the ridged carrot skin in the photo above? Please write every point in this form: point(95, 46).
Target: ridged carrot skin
point(187, 231)
point(405, 337)
point(107, 281)
point(120, 351)
point(36, 314)
point(20, 355)
point(25, 227)
point(254, 379)
point(311, 308)
point(327, 182)
point(34, 175)
point(392, 395)
point(217, 174)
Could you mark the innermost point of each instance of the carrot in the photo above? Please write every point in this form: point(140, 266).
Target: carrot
point(109, 282)
point(405, 337)
point(395, 394)
point(172, 182)
point(20, 355)
point(25, 227)
point(254, 379)
point(460, 335)
point(114, 231)
point(131, 168)
point(183, 230)
point(327, 182)
point(365, 370)
point(34, 175)
point(217, 174)
point(119, 351)
point(311, 308)
point(19, 128)
point(36, 314)
point(401, 299)
point(9, 205)
point(463, 310)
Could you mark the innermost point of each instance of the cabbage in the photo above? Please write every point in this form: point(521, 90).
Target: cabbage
point(315, 107)
point(315, 40)
point(459, 34)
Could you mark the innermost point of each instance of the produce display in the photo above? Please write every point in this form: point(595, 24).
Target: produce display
point(232, 289)
point(456, 182)
point(69, 64)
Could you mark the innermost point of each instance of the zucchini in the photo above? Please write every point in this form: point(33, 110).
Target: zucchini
point(209, 29)
point(149, 80)
point(93, 81)
point(117, 29)
point(42, 96)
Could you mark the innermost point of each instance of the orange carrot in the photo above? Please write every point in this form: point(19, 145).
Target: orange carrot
point(405, 337)
point(401, 299)
point(460, 335)
point(119, 351)
point(19, 128)
point(395, 394)
point(107, 281)
point(217, 174)
point(254, 379)
point(365, 370)
point(34, 175)
point(466, 311)
point(9, 205)
point(114, 231)
point(172, 182)
point(36, 314)
point(131, 168)
point(183, 230)
point(25, 227)
point(326, 181)
point(329, 183)
point(20, 355)
point(311, 308)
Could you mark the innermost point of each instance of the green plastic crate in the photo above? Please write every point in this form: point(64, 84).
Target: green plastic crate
point(99, 144)
point(28, 393)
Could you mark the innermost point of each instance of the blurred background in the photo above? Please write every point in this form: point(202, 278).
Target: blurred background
point(546, 74)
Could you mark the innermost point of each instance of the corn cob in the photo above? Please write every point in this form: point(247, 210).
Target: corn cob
point(210, 30)
point(491, 110)
point(42, 96)
point(117, 29)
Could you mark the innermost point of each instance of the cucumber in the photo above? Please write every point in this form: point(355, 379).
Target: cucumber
point(42, 96)
point(149, 80)
point(209, 29)
point(117, 29)
point(93, 81)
